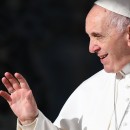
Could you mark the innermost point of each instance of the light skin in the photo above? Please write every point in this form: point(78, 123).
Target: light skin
point(113, 49)
point(21, 100)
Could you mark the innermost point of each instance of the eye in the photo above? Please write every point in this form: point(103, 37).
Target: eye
point(96, 35)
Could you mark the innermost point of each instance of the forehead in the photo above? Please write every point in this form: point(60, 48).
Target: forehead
point(96, 18)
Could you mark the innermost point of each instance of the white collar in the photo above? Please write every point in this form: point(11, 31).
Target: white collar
point(125, 70)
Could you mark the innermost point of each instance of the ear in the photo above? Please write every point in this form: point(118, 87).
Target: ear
point(128, 34)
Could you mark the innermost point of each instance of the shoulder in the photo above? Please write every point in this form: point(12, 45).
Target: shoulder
point(84, 95)
point(95, 85)
point(97, 81)
point(99, 76)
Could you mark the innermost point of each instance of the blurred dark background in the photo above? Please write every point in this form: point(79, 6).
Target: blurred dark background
point(45, 41)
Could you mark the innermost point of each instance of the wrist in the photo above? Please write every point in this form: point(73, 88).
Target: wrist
point(27, 122)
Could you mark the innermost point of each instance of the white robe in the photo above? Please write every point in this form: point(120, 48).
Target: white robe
point(90, 107)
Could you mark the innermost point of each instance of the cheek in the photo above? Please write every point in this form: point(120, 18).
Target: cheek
point(113, 53)
point(114, 47)
point(116, 54)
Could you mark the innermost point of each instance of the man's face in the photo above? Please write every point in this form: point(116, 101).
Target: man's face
point(109, 45)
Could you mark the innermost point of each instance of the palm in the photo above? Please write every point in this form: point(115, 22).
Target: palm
point(21, 99)
point(23, 104)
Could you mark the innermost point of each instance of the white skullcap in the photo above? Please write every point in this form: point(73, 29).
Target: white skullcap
point(121, 7)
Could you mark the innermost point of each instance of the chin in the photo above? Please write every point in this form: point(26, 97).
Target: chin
point(109, 70)
point(113, 68)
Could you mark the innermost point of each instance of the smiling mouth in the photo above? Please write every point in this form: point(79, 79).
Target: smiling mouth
point(103, 56)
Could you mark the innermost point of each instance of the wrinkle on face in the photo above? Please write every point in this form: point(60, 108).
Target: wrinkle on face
point(105, 39)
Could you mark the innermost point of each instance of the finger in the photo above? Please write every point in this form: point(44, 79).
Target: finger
point(13, 81)
point(22, 81)
point(6, 96)
point(7, 85)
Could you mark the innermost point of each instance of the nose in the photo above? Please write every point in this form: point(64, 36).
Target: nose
point(93, 47)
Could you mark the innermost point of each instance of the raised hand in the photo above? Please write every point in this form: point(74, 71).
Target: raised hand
point(19, 97)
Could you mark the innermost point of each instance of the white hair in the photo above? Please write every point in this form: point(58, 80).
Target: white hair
point(118, 21)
